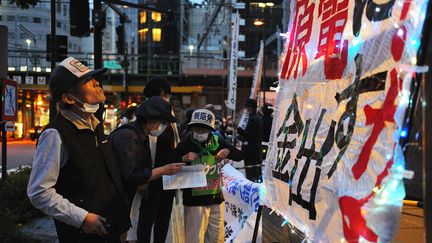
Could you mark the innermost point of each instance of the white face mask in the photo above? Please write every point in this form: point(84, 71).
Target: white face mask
point(159, 131)
point(200, 137)
point(88, 108)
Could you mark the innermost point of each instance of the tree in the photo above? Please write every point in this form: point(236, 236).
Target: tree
point(24, 4)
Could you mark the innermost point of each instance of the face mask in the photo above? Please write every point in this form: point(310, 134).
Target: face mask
point(158, 132)
point(88, 108)
point(200, 137)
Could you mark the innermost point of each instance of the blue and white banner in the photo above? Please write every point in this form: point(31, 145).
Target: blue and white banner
point(242, 198)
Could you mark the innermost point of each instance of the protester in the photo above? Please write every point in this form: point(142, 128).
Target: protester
point(156, 210)
point(204, 207)
point(218, 128)
point(267, 119)
point(252, 138)
point(139, 165)
point(229, 126)
point(211, 108)
point(74, 176)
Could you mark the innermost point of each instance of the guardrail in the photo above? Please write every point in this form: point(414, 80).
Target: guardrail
point(167, 65)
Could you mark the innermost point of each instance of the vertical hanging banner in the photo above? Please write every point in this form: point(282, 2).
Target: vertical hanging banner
point(256, 84)
point(335, 166)
point(232, 76)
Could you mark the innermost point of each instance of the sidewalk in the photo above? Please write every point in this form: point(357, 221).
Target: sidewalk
point(411, 228)
point(42, 229)
point(411, 225)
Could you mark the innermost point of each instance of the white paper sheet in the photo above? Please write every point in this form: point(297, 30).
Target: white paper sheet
point(189, 177)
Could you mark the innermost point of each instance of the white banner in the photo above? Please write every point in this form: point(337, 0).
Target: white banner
point(334, 168)
point(244, 120)
point(256, 84)
point(232, 92)
point(242, 198)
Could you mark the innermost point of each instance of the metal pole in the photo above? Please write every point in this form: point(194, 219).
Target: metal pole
point(125, 72)
point(98, 26)
point(97, 36)
point(53, 108)
point(125, 62)
point(264, 76)
point(258, 218)
point(148, 39)
point(263, 81)
point(234, 129)
point(427, 156)
point(285, 15)
point(4, 150)
point(425, 58)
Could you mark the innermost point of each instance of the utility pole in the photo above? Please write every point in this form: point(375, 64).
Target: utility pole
point(123, 50)
point(3, 75)
point(121, 46)
point(98, 24)
point(148, 39)
point(53, 108)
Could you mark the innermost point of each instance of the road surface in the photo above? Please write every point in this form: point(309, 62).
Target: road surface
point(19, 153)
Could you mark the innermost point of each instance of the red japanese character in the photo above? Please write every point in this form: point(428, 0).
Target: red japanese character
point(377, 117)
point(334, 15)
point(300, 36)
point(354, 223)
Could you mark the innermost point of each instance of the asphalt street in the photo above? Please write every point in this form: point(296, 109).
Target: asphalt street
point(19, 153)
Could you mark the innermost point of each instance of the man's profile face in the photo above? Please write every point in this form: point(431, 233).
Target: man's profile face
point(91, 92)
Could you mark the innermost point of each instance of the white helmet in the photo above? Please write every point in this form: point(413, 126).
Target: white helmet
point(203, 117)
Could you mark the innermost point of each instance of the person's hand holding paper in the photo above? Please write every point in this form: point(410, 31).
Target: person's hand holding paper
point(189, 176)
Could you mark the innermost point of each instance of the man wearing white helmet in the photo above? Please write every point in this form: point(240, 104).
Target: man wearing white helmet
point(204, 207)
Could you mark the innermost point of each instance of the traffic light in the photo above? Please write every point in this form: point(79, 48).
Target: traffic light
point(61, 50)
point(120, 39)
point(79, 15)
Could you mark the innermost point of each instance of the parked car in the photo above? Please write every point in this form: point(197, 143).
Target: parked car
point(35, 132)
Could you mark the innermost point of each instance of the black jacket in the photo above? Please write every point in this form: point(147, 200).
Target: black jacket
point(267, 125)
point(132, 152)
point(131, 148)
point(187, 146)
point(253, 137)
point(90, 177)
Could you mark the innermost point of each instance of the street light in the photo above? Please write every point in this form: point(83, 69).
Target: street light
point(28, 41)
point(258, 22)
point(266, 4)
point(191, 47)
point(269, 4)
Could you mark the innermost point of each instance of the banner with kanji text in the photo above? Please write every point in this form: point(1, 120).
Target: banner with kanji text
point(334, 169)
